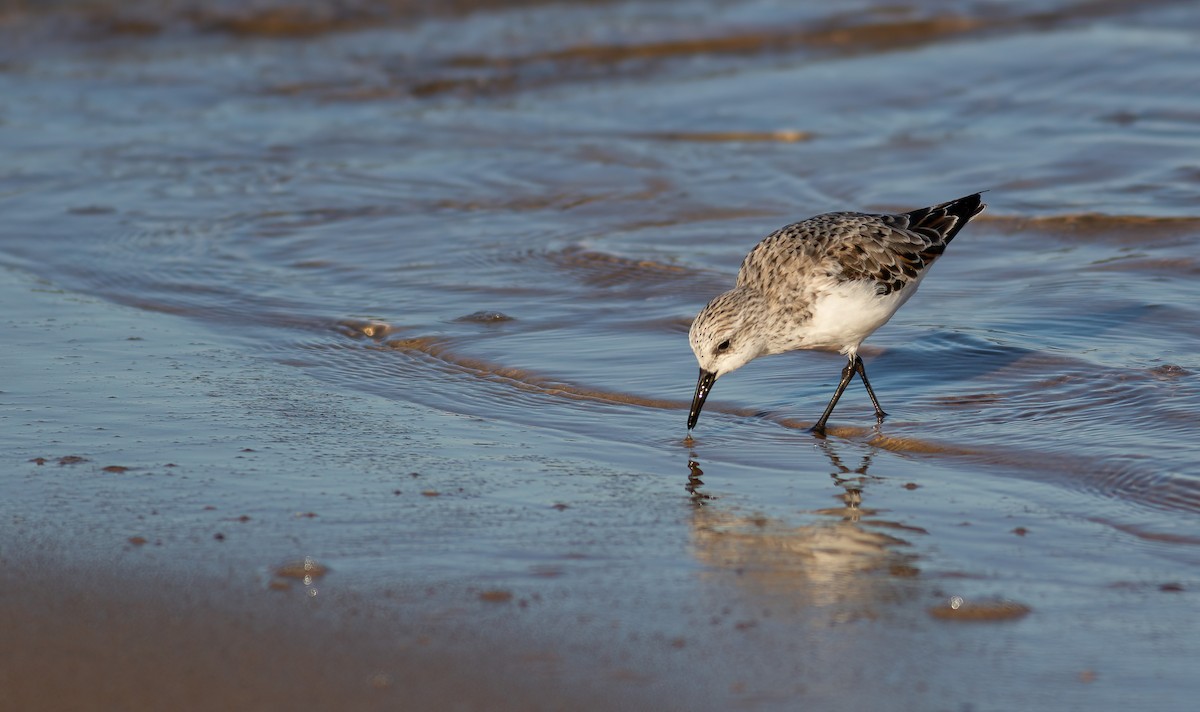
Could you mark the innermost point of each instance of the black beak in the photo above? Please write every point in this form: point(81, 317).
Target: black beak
point(703, 385)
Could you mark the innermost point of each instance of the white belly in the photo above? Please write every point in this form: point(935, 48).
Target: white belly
point(845, 315)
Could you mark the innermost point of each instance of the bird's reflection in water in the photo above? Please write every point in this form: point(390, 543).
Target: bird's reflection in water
point(694, 484)
point(845, 558)
point(851, 481)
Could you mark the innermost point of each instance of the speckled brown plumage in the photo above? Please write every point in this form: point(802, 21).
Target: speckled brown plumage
point(890, 250)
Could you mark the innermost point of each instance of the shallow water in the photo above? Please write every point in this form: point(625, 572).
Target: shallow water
point(468, 244)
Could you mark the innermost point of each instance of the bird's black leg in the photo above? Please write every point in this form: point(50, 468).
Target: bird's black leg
point(847, 374)
point(862, 372)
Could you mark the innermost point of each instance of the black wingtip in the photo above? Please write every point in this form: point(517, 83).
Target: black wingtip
point(946, 219)
point(963, 208)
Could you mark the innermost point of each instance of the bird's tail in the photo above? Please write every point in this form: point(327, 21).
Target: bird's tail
point(943, 222)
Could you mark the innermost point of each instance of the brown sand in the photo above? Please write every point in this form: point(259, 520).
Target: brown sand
point(98, 638)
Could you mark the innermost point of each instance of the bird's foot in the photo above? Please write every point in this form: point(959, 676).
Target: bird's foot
point(880, 415)
point(818, 430)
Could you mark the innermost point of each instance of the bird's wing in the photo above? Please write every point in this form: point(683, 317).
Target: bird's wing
point(843, 247)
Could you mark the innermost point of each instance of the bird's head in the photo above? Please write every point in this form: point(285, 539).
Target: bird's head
point(725, 335)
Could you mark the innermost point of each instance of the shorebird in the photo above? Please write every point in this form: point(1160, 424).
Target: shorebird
point(825, 283)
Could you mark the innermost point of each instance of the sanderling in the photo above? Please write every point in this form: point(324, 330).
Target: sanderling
point(824, 283)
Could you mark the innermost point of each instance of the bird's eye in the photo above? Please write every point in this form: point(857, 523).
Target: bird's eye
point(723, 346)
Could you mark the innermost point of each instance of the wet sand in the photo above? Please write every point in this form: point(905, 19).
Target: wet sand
point(165, 566)
point(156, 595)
point(106, 637)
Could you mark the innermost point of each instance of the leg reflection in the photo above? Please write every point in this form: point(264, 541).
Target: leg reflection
point(852, 481)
